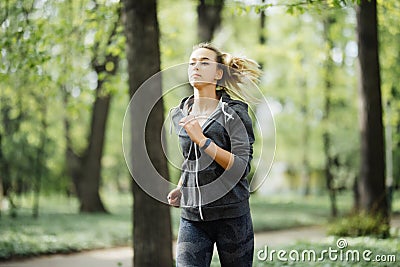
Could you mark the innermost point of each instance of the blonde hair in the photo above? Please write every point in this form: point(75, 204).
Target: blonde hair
point(237, 72)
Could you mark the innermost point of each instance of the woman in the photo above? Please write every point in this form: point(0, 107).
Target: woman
point(216, 137)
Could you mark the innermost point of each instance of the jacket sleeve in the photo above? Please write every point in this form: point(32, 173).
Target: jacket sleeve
point(240, 131)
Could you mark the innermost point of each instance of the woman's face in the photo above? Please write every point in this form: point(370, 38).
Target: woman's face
point(203, 68)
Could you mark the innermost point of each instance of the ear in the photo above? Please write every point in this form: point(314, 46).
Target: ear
point(219, 74)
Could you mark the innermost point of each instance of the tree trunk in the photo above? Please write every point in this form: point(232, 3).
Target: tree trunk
point(89, 182)
point(356, 196)
point(262, 38)
point(85, 170)
point(372, 172)
point(209, 19)
point(1, 174)
point(152, 235)
point(389, 155)
point(305, 163)
point(40, 158)
point(72, 159)
point(328, 69)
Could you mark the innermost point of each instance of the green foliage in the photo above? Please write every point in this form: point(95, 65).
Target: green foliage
point(178, 31)
point(359, 225)
point(60, 230)
point(46, 75)
point(291, 7)
point(294, 82)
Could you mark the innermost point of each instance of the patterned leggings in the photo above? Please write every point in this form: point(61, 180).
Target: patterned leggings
point(234, 239)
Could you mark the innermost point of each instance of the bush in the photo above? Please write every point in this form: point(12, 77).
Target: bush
point(360, 225)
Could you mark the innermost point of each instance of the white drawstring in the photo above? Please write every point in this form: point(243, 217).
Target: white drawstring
point(226, 113)
point(197, 181)
point(170, 121)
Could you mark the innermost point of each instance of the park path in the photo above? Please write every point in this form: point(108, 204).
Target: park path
point(122, 256)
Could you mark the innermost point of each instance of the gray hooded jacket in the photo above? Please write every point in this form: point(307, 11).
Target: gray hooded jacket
point(209, 192)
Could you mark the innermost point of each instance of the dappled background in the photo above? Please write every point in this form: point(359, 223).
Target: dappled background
point(67, 72)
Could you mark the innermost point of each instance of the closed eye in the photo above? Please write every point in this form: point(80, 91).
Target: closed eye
point(203, 63)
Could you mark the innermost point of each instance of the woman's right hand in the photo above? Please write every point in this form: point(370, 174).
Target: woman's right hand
point(174, 197)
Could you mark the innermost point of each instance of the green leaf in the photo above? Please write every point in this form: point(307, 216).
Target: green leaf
point(110, 66)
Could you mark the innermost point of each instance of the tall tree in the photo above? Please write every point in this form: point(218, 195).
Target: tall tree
point(209, 18)
point(304, 106)
point(305, 137)
point(372, 172)
point(326, 136)
point(389, 35)
point(151, 219)
point(40, 156)
point(85, 167)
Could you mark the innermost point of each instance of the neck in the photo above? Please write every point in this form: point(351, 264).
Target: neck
point(205, 99)
point(205, 92)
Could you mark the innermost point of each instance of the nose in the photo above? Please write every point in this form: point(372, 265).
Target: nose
point(195, 66)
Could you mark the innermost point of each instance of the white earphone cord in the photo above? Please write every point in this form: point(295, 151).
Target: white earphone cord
point(197, 181)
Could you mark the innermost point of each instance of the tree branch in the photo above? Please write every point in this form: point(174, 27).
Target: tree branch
point(94, 62)
point(6, 13)
point(299, 4)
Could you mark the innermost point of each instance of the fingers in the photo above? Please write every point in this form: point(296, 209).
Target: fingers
point(174, 193)
point(193, 128)
point(174, 201)
point(187, 120)
point(174, 197)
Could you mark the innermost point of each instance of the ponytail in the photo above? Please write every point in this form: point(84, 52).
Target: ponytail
point(238, 72)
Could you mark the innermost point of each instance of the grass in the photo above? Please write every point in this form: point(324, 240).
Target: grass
point(288, 211)
point(60, 229)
